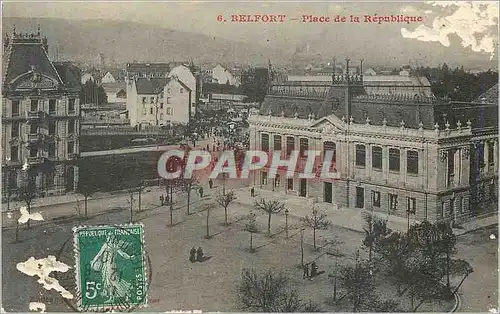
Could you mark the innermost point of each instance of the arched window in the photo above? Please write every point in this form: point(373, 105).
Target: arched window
point(360, 155)
point(412, 162)
point(330, 146)
point(394, 159)
point(377, 157)
point(264, 142)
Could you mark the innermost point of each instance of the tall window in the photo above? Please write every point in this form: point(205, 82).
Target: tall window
point(168, 100)
point(52, 150)
point(34, 152)
point(393, 201)
point(161, 105)
point(480, 155)
point(360, 155)
point(264, 178)
point(451, 166)
point(14, 153)
point(71, 105)
point(264, 142)
point(152, 100)
point(360, 197)
point(52, 106)
point(169, 111)
point(15, 108)
point(491, 152)
point(394, 159)
point(290, 145)
point(289, 184)
point(376, 198)
point(277, 142)
point(143, 100)
point(34, 105)
point(52, 127)
point(71, 147)
point(150, 110)
point(71, 126)
point(330, 146)
point(411, 205)
point(15, 129)
point(304, 146)
point(377, 157)
point(412, 162)
point(33, 128)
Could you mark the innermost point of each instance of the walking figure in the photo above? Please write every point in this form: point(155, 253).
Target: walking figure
point(314, 269)
point(200, 190)
point(192, 255)
point(210, 183)
point(306, 271)
point(208, 147)
point(162, 200)
point(252, 192)
point(199, 254)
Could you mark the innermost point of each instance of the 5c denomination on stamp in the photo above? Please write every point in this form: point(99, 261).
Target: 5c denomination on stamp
point(110, 267)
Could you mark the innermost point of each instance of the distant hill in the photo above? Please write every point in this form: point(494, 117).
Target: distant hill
point(120, 41)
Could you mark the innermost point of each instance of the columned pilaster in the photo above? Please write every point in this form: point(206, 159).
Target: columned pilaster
point(495, 156)
point(403, 165)
point(486, 155)
point(422, 159)
point(457, 164)
point(385, 163)
point(368, 160)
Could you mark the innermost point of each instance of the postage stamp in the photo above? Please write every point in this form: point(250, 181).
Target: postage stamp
point(110, 267)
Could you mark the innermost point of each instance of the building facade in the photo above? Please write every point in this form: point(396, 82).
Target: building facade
point(40, 118)
point(394, 154)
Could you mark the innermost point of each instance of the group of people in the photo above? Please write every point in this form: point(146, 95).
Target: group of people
point(313, 272)
point(196, 255)
point(164, 200)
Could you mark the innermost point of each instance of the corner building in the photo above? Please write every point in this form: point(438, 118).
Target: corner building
point(396, 154)
point(40, 118)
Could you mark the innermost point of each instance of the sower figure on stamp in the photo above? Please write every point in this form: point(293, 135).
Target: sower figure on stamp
point(199, 254)
point(192, 255)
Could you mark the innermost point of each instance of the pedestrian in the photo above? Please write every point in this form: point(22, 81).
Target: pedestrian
point(200, 190)
point(210, 183)
point(199, 254)
point(252, 192)
point(167, 199)
point(162, 199)
point(192, 255)
point(314, 269)
point(208, 147)
point(306, 271)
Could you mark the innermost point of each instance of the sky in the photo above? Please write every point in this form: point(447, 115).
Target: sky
point(473, 27)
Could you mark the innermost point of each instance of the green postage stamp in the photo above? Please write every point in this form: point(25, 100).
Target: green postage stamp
point(110, 267)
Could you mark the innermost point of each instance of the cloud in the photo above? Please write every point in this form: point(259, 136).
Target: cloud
point(475, 23)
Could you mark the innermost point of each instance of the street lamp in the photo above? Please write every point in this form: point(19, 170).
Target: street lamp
point(286, 221)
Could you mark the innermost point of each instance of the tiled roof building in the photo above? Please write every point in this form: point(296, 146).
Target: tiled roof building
point(395, 153)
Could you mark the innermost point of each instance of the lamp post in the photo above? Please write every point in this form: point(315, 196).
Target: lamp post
point(286, 221)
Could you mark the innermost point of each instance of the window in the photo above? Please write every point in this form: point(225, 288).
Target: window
point(52, 128)
point(443, 205)
point(289, 184)
point(360, 197)
point(360, 155)
point(168, 90)
point(161, 95)
point(393, 201)
point(71, 147)
point(15, 129)
point(143, 100)
point(161, 105)
point(480, 155)
point(411, 205)
point(181, 90)
point(491, 152)
point(330, 146)
point(71, 126)
point(52, 150)
point(52, 106)
point(168, 100)
point(150, 110)
point(263, 179)
point(71, 105)
point(304, 146)
point(264, 142)
point(394, 159)
point(50, 179)
point(290, 145)
point(15, 108)
point(34, 152)
point(377, 157)
point(14, 153)
point(161, 116)
point(152, 100)
point(412, 162)
point(451, 167)
point(169, 111)
point(34, 105)
point(33, 128)
point(376, 198)
point(277, 142)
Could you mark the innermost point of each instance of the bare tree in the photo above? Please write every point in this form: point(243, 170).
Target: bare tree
point(208, 208)
point(251, 227)
point(270, 207)
point(267, 292)
point(78, 209)
point(224, 200)
point(27, 194)
point(316, 221)
point(375, 229)
point(131, 202)
point(187, 185)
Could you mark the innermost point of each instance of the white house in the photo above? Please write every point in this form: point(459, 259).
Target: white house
point(221, 75)
point(370, 72)
point(184, 74)
point(116, 92)
point(87, 77)
point(159, 101)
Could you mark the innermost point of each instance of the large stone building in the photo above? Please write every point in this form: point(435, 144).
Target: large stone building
point(396, 154)
point(40, 118)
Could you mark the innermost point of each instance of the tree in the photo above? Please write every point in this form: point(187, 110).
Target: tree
point(270, 207)
point(87, 188)
point(316, 221)
point(208, 208)
point(91, 93)
point(374, 230)
point(187, 185)
point(254, 83)
point(224, 200)
point(28, 193)
point(267, 292)
point(251, 227)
